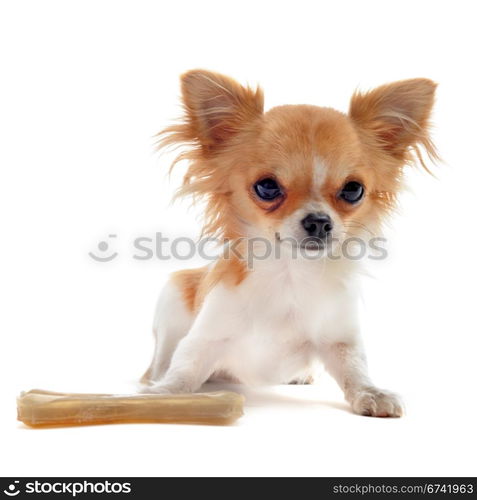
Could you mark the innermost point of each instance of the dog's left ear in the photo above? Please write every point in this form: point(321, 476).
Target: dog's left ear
point(217, 107)
point(395, 117)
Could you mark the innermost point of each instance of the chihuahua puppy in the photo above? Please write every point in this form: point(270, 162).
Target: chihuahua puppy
point(300, 180)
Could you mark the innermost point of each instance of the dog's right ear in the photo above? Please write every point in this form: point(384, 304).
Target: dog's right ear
point(217, 107)
point(396, 115)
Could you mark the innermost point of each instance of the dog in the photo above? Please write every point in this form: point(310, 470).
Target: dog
point(302, 180)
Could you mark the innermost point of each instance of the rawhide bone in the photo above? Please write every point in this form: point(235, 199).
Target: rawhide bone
point(38, 408)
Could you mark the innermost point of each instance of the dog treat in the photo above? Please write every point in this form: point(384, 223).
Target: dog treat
point(38, 408)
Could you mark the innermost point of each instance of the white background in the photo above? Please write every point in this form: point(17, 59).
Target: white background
point(84, 87)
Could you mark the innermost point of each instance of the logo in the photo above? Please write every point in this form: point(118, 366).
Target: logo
point(12, 490)
point(103, 247)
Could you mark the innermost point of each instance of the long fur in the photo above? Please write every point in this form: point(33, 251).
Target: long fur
point(272, 322)
point(217, 110)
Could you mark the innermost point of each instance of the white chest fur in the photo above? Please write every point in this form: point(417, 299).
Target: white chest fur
point(274, 321)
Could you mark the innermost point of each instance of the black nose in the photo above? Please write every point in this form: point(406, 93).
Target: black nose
point(317, 225)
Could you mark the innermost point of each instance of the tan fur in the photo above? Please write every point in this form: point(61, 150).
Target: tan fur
point(194, 284)
point(188, 281)
point(231, 144)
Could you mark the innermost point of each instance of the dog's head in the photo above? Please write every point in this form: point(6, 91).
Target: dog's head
point(298, 173)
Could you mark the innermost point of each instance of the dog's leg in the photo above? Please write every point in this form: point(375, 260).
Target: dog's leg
point(346, 362)
point(192, 364)
point(172, 321)
point(166, 344)
point(199, 353)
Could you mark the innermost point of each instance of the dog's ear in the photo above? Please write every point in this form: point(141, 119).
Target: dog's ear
point(217, 107)
point(395, 116)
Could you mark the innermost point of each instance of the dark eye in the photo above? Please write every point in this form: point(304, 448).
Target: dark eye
point(267, 189)
point(352, 192)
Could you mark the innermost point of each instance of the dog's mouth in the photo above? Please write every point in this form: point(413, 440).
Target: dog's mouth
point(309, 243)
point(314, 245)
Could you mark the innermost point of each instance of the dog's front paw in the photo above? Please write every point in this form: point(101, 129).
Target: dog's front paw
point(309, 380)
point(154, 389)
point(160, 389)
point(168, 387)
point(374, 402)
